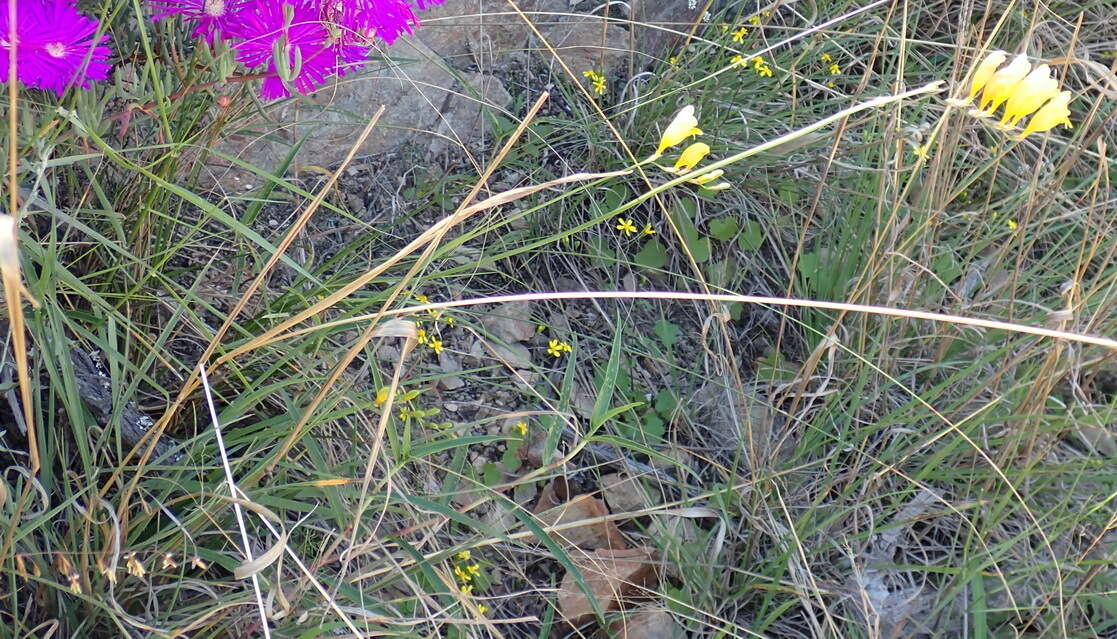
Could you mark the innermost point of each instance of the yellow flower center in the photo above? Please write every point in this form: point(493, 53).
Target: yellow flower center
point(214, 8)
point(56, 49)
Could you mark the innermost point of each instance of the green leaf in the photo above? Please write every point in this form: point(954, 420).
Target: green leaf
point(666, 403)
point(653, 255)
point(751, 237)
point(491, 475)
point(723, 228)
point(667, 332)
point(654, 428)
point(808, 265)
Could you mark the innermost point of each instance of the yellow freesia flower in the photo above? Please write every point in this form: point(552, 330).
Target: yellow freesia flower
point(1051, 115)
point(682, 127)
point(984, 71)
point(1030, 94)
point(1001, 85)
point(690, 157)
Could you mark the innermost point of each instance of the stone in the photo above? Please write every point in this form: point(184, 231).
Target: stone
point(624, 494)
point(510, 322)
point(423, 99)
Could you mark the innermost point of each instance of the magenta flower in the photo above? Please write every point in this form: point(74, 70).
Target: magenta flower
point(294, 30)
point(213, 17)
point(55, 46)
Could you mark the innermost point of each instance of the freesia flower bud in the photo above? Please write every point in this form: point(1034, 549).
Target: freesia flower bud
point(690, 157)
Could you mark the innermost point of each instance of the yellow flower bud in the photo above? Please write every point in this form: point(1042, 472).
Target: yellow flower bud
point(706, 178)
point(1030, 94)
point(690, 157)
point(682, 127)
point(1000, 86)
point(985, 71)
point(1051, 115)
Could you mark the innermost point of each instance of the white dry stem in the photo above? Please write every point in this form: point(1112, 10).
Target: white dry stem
point(233, 493)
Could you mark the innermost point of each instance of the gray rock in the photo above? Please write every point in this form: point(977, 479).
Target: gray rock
point(510, 322)
point(422, 95)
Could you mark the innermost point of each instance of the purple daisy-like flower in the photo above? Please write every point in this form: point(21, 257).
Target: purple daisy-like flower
point(55, 46)
point(213, 17)
point(294, 29)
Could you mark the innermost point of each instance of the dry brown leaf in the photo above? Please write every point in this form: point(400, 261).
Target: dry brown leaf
point(554, 508)
point(647, 624)
point(612, 576)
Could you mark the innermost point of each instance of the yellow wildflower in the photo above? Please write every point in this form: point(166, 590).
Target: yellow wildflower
point(521, 428)
point(461, 574)
point(467, 589)
point(449, 319)
point(463, 555)
point(764, 71)
point(597, 81)
point(474, 569)
point(626, 226)
point(382, 395)
point(825, 57)
point(738, 61)
point(985, 71)
point(754, 20)
point(436, 346)
point(739, 34)
point(682, 127)
point(835, 69)
point(648, 230)
point(1012, 225)
point(673, 60)
point(690, 157)
point(421, 336)
point(1001, 84)
point(556, 348)
point(422, 299)
point(1051, 115)
point(481, 608)
point(1035, 89)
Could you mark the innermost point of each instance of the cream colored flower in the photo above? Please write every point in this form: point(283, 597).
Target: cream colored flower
point(1001, 85)
point(1030, 94)
point(1051, 115)
point(682, 127)
point(706, 178)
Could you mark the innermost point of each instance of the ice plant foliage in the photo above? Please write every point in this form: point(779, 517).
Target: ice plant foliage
point(55, 46)
point(1022, 89)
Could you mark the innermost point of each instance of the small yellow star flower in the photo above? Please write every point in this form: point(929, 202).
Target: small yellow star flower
point(764, 71)
point(462, 575)
point(436, 346)
point(648, 230)
point(421, 336)
point(921, 152)
point(1012, 224)
point(481, 608)
point(825, 57)
point(463, 555)
point(835, 69)
point(626, 226)
point(683, 126)
point(382, 395)
point(1051, 115)
point(521, 428)
point(738, 61)
point(467, 589)
point(473, 569)
point(449, 319)
point(422, 299)
point(739, 34)
point(725, 27)
point(566, 348)
point(597, 81)
point(754, 20)
point(673, 60)
point(556, 348)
